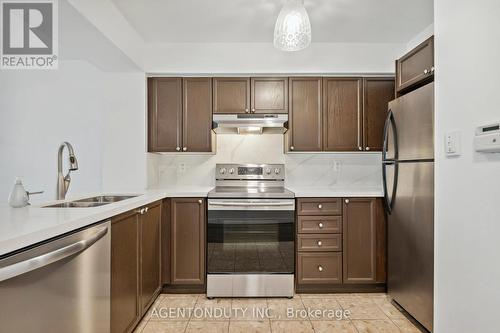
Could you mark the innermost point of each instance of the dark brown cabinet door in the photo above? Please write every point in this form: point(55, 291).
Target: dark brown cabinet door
point(305, 132)
point(377, 93)
point(150, 223)
point(124, 272)
point(164, 114)
point(231, 95)
point(188, 241)
point(416, 67)
point(342, 114)
point(269, 95)
point(363, 241)
point(197, 115)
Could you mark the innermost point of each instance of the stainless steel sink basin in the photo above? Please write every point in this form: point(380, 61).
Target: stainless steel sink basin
point(96, 201)
point(106, 198)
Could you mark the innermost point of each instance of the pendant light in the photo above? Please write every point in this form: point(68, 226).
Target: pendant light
point(293, 29)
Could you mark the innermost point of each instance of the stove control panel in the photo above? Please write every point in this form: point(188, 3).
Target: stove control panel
point(250, 171)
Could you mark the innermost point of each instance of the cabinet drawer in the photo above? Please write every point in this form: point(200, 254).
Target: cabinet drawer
point(319, 206)
point(320, 224)
point(319, 267)
point(319, 242)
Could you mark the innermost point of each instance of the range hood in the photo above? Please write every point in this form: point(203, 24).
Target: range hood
point(250, 123)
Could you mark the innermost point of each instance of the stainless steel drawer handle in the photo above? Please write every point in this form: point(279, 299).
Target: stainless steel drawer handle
point(51, 257)
point(320, 206)
point(320, 268)
point(320, 243)
point(320, 225)
point(250, 204)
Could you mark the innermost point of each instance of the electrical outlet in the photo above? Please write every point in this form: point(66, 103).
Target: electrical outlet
point(181, 168)
point(336, 166)
point(452, 143)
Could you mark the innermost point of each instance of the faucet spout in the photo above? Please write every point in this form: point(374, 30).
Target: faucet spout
point(63, 182)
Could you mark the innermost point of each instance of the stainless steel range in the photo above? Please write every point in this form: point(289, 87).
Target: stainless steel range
point(250, 232)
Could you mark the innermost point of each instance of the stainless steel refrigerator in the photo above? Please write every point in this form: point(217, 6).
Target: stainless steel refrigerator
point(408, 172)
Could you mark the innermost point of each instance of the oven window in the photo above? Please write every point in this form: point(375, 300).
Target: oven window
point(250, 241)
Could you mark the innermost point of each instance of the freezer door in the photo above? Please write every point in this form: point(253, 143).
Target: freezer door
point(411, 241)
point(413, 125)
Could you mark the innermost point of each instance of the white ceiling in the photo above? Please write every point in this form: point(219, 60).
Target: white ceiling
point(198, 21)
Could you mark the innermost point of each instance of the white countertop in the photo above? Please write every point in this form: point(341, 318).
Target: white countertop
point(22, 227)
point(333, 191)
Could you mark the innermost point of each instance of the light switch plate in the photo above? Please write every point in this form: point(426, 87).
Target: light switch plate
point(452, 143)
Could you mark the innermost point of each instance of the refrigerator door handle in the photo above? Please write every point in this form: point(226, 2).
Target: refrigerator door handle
point(389, 199)
point(390, 122)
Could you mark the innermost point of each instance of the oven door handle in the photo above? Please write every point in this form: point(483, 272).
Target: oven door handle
point(249, 204)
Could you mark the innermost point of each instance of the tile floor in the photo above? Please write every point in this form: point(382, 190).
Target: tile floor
point(367, 313)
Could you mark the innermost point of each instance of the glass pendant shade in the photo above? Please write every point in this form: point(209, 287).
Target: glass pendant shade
point(293, 29)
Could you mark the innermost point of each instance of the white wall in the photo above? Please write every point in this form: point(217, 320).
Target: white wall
point(420, 37)
point(264, 58)
point(467, 224)
point(95, 100)
point(353, 170)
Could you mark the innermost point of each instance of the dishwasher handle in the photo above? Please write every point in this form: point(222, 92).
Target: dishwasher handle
point(45, 259)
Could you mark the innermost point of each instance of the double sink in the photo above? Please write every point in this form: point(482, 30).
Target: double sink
point(96, 201)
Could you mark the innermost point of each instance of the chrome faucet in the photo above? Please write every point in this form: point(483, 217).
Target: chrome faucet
point(64, 181)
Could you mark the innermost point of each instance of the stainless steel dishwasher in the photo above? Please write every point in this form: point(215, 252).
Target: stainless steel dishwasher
point(59, 286)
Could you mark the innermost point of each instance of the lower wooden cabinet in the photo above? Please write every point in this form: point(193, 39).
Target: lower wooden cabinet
point(344, 251)
point(188, 243)
point(135, 265)
point(364, 239)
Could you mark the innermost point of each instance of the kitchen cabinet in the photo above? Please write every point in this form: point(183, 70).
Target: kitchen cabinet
point(150, 224)
point(364, 241)
point(164, 114)
point(231, 95)
point(135, 265)
point(269, 95)
point(342, 114)
point(304, 119)
point(341, 245)
point(188, 241)
point(197, 115)
point(415, 68)
point(124, 272)
point(180, 115)
point(377, 93)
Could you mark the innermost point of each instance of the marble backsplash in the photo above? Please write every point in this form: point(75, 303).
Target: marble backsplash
point(316, 169)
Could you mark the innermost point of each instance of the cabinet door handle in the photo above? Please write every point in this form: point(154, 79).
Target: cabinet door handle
point(320, 225)
point(184, 149)
point(178, 148)
point(292, 147)
point(200, 201)
point(346, 201)
point(360, 148)
point(146, 209)
point(432, 69)
point(141, 211)
point(253, 110)
point(426, 71)
point(367, 148)
point(320, 206)
point(320, 243)
point(320, 268)
point(246, 110)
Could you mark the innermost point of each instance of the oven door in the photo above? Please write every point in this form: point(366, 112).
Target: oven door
point(250, 236)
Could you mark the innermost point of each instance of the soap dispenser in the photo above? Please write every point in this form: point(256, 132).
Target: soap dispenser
point(18, 197)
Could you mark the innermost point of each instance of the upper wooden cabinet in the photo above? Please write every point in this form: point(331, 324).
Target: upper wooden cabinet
point(180, 114)
point(304, 120)
point(364, 241)
point(377, 93)
point(231, 95)
point(269, 95)
point(164, 114)
point(197, 115)
point(342, 114)
point(416, 67)
point(187, 241)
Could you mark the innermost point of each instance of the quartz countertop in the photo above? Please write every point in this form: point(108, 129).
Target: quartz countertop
point(23, 227)
point(336, 191)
